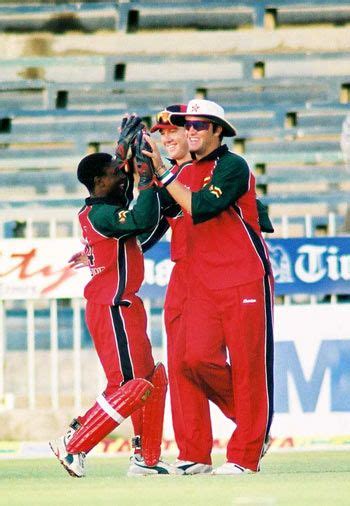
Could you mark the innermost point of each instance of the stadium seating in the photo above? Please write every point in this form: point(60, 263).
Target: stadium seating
point(136, 14)
point(132, 15)
point(287, 107)
point(129, 68)
point(130, 83)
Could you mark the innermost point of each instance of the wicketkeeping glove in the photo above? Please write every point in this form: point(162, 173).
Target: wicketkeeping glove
point(144, 165)
point(129, 128)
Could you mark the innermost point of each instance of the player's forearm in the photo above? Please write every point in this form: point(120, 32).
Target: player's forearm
point(146, 211)
point(181, 194)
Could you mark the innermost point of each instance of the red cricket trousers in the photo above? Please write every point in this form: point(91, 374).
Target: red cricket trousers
point(237, 320)
point(121, 341)
point(189, 402)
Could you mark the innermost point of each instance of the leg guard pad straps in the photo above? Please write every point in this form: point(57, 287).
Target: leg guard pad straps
point(109, 412)
point(153, 416)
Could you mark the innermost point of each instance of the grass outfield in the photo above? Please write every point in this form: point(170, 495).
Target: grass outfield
point(292, 478)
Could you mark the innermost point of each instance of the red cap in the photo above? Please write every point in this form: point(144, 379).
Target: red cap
point(162, 117)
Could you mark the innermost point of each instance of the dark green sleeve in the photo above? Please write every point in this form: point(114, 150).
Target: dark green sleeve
point(229, 182)
point(264, 219)
point(165, 198)
point(151, 237)
point(114, 221)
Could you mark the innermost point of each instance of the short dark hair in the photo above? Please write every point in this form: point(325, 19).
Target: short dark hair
point(91, 166)
point(215, 127)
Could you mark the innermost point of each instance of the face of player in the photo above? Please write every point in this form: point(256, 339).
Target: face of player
point(202, 139)
point(174, 141)
point(113, 184)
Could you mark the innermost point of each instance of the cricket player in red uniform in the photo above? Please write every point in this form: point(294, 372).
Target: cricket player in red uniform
point(229, 304)
point(174, 140)
point(183, 392)
point(115, 314)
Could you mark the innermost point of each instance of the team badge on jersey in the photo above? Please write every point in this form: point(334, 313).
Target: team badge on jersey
point(215, 190)
point(122, 216)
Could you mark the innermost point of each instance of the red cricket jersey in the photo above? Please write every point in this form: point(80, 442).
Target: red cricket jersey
point(114, 253)
point(225, 246)
point(177, 224)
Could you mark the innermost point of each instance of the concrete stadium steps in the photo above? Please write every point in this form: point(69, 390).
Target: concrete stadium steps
point(294, 119)
point(60, 156)
point(287, 180)
point(288, 107)
point(280, 186)
point(66, 125)
point(154, 67)
point(130, 82)
point(13, 185)
point(134, 15)
point(308, 39)
point(59, 17)
point(251, 122)
point(153, 95)
point(39, 158)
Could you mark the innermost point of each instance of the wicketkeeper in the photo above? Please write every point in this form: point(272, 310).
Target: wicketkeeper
point(115, 315)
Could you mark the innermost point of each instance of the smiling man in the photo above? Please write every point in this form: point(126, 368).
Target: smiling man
point(228, 310)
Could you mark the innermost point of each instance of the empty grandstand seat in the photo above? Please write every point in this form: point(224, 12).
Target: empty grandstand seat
point(311, 12)
point(58, 17)
point(179, 14)
point(135, 14)
point(132, 15)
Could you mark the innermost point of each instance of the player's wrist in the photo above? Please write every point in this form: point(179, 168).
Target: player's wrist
point(166, 177)
point(161, 170)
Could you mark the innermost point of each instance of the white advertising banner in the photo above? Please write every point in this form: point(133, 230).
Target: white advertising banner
point(312, 377)
point(38, 268)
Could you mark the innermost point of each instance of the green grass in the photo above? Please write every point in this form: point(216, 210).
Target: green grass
point(295, 478)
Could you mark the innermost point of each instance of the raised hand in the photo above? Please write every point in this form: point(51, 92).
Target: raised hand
point(143, 163)
point(129, 129)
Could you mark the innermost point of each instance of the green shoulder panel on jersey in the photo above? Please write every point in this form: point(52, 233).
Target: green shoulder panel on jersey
point(230, 181)
point(114, 221)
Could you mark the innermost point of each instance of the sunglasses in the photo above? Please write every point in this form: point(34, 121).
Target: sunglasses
point(197, 125)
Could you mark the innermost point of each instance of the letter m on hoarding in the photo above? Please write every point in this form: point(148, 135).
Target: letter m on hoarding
point(333, 356)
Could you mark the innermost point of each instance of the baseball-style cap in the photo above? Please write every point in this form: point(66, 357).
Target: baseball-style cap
point(206, 109)
point(162, 117)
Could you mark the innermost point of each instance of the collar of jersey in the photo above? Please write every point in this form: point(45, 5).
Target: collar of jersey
point(217, 153)
point(90, 201)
